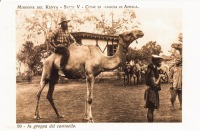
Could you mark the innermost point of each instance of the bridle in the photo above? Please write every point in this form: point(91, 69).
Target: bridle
point(125, 46)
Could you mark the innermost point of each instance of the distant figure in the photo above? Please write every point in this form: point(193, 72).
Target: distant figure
point(137, 72)
point(128, 73)
point(153, 83)
point(176, 80)
point(143, 71)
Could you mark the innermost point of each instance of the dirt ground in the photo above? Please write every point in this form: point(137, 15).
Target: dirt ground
point(112, 103)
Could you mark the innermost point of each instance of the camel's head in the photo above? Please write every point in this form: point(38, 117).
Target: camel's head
point(129, 37)
point(176, 45)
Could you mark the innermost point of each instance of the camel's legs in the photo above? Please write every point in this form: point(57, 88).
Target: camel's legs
point(44, 80)
point(42, 85)
point(134, 77)
point(127, 82)
point(138, 78)
point(50, 98)
point(128, 79)
point(88, 104)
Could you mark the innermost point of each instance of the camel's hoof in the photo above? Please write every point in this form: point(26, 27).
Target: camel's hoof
point(37, 117)
point(61, 116)
point(172, 109)
point(86, 119)
point(89, 120)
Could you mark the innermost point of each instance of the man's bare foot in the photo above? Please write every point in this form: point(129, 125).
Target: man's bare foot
point(60, 72)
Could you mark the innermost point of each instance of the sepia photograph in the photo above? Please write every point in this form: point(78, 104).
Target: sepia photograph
point(103, 65)
point(99, 65)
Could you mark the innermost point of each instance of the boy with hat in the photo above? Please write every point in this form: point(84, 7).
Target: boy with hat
point(153, 83)
point(61, 39)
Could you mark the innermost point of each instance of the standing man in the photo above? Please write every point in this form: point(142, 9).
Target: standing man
point(138, 71)
point(153, 83)
point(61, 39)
point(176, 80)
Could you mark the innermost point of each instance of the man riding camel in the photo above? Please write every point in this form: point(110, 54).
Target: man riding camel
point(61, 39)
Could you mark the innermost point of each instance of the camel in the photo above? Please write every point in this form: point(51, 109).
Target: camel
point(84, 62)
point(177, 46)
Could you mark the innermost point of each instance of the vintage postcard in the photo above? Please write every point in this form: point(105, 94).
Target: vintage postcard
point(116, 64)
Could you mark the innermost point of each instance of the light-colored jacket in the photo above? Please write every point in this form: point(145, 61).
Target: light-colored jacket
point(176, 76)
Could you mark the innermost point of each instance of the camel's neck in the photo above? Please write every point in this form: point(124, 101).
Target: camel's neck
point(112, 62)
point(178, 49)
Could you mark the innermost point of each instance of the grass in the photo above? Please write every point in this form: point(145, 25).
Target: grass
point(112, 103)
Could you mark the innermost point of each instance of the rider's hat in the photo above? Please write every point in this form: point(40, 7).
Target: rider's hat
point(63, 19)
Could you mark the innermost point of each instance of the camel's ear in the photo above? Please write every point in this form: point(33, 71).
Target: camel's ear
point(121, 35)
point(126, 36)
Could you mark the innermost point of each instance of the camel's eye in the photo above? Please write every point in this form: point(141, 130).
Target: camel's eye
point(127, 34)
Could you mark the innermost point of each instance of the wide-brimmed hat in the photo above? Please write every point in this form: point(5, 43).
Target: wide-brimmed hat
point(156, 57)
point(64, 19)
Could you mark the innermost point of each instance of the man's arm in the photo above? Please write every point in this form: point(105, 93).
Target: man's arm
point(51, 38)
point(73, 39)
point(154, 81)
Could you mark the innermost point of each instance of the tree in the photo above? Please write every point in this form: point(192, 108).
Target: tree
point(19, 63)
point(149, 49)
point(31, 56)
point(134, 54)
point(119, 24)
point(39, 23)
point(145, 52)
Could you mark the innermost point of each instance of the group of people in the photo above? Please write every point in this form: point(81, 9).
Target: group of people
point(138, 70)
point(153, 78)
point(61, 39)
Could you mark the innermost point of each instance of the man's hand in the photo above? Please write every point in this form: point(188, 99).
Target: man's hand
point(161, 75)
point(51, 43)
